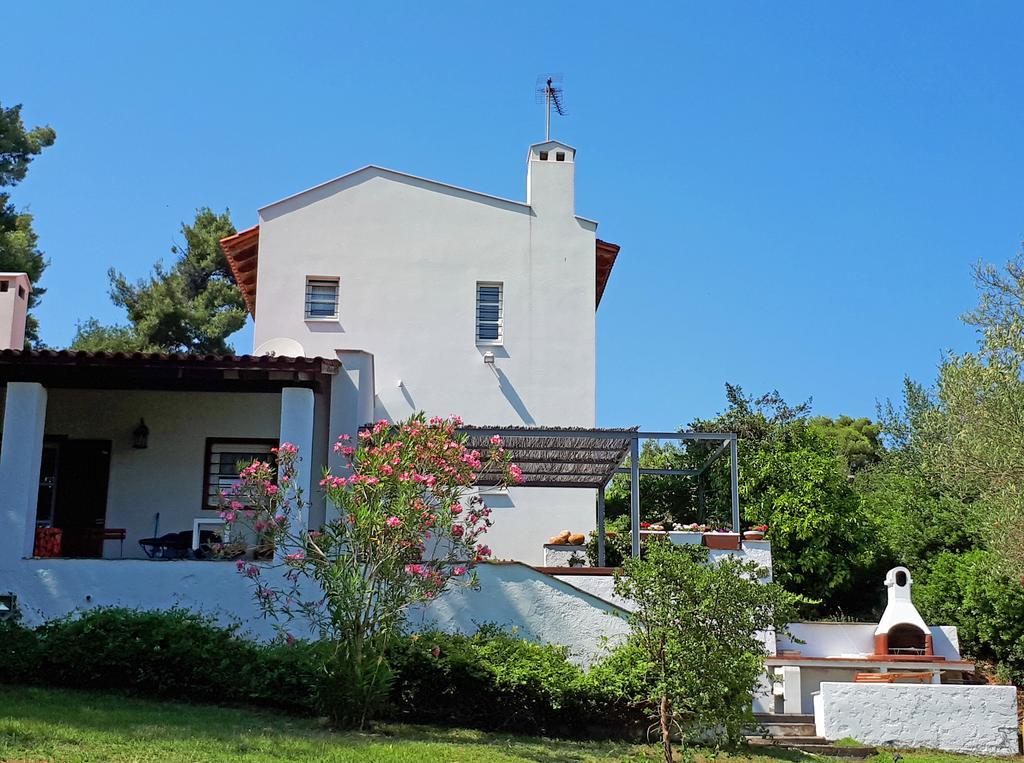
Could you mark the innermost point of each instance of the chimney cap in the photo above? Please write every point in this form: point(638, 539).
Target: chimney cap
point(549, 145)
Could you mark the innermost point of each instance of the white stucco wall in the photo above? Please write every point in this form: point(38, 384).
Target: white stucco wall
point(409, 253)
point(515, 596)
point(966, 719)
point(166, 477)
point(857, 639)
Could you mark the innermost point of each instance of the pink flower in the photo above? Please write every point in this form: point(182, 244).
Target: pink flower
point(414, 569)
point(298, 556)
point(436, 651)
point(393, 522)
point(516, 472)
point(236, 506)
point(459, 571)
point(496, 440)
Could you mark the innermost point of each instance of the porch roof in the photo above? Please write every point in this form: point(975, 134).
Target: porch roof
point(78, 369)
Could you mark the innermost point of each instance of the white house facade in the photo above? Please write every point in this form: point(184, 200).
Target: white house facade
point(444, 300)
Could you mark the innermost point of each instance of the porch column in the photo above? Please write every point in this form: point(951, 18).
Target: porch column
point(792, 701)
point(352, 406)
point(297, 428)
point(21, 451)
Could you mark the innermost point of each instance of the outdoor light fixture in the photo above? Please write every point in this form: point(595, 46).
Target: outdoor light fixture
point(140, 436)
point(489, 358)
point(8, 605)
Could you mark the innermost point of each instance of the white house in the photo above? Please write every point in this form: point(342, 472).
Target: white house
point(374, 295)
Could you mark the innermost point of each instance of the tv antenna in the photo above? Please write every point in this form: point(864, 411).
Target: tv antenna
point(551, 93)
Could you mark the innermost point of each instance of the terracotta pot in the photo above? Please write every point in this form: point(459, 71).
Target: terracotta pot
point(722, 541)
point(753, 535)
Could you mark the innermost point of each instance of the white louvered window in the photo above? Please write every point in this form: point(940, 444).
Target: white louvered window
point(321, 298)
point(489, 313)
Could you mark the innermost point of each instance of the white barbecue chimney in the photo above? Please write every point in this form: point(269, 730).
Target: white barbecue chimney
point(902, 630)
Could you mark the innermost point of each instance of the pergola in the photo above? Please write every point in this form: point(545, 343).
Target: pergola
point(573, 457)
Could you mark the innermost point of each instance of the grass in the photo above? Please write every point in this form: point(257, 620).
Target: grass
point(75, 727)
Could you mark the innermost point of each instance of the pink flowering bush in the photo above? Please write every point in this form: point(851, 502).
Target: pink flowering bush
point(409, 524)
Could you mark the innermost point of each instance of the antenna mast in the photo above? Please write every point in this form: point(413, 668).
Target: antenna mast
point(549, 88)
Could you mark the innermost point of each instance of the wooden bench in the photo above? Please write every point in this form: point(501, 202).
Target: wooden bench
point(891, 678)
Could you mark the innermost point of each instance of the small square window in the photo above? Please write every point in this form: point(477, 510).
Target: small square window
point(225, 458)
point(560, 156)
point(5, 285)
point(543, 156)
point(21, 292)
point(489, 313)
point(321, 298)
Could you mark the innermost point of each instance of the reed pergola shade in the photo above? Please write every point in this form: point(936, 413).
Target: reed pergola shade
point(571, 457)
point(563, 457)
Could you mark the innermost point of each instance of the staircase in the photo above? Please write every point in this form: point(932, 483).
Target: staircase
point(797, 732)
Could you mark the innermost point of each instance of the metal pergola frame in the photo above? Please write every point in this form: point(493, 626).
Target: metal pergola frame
point(600, 469)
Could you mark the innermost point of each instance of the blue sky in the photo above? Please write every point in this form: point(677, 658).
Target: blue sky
point(799, 188)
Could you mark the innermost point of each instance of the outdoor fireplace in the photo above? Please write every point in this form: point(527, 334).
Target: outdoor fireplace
point(902, 632)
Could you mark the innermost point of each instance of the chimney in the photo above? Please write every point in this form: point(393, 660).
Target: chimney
point(550, 180)
point(14, 291)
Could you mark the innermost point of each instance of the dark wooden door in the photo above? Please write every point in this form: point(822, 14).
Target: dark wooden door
point(80, 506)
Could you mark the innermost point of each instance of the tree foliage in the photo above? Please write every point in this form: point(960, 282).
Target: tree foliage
point(192, 307)
point(19, 244)
point(695, 632)
point(794, 477)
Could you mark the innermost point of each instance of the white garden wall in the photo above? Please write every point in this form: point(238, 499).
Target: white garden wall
point(838, 639)
point(966, 719)
point(514, 596)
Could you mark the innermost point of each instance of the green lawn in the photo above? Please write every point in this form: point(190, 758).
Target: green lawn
point(64, 726)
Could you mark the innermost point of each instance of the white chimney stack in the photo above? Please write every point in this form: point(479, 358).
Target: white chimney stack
point(14, 291)
point(550, 180)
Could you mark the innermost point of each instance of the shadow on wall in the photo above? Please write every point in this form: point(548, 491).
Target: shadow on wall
point(513, 398)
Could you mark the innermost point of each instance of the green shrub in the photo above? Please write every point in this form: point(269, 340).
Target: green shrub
point(490, 680)
point(497, 680)
point(967, 590)
point(176, 654)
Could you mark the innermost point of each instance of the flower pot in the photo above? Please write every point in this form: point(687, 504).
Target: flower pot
point(722, 541)
point(753, 535)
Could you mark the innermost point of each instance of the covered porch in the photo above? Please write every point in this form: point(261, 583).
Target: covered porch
point(100, 451)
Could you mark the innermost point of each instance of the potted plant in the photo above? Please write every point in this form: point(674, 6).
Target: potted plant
point(723, 540)
point(755, 533)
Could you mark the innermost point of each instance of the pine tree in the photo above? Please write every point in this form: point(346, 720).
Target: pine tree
point(192, 307)
point(19, 250)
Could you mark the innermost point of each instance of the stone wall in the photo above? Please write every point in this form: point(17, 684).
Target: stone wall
point(966, 719)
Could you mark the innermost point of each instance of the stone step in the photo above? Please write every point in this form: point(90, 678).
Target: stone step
point(786, 729)
point(780, 718)
point(814, 745)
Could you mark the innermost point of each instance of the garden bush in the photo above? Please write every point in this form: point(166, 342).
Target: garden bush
point(496, 680)
point(492, 680)
point(175, 654)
